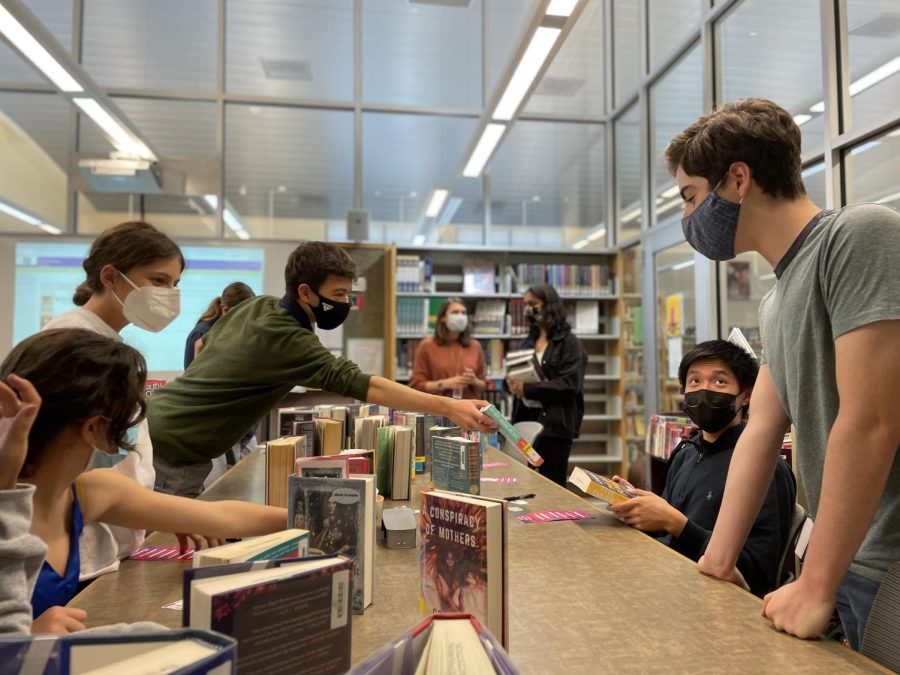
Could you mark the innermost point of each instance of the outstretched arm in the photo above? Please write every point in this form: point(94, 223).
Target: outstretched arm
point(465, 413)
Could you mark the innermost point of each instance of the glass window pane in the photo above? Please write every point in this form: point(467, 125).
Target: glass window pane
point(628, 174)
point(676, 319)
point(626, 48)
point(505, 23)
point(183, 133)
point(814, 181)
point(34, 150)
point(873, 169)
point(670, 23)
point(677, 101)
point(57, 18)
point(874, 44)
point(422, 54)
point(302, 48)
point(573, 84)
point(757, 40)
point(164, 44)
point(405, 157)
point(547, 186)
point(288, 171)
point(744, 282)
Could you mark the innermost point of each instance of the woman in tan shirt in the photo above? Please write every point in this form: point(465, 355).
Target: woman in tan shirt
point(451, 362)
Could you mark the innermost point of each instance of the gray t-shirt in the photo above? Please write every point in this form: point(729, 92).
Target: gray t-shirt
point(846, 275)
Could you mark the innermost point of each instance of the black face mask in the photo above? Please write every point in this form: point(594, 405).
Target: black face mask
point(330, 314)
point(712, 411)
point(533, 315)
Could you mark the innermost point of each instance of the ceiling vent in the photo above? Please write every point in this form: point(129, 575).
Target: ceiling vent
point(276, 69)
point(881, 26)
point(563, 87)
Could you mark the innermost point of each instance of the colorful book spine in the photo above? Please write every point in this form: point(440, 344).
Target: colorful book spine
point(509, 432)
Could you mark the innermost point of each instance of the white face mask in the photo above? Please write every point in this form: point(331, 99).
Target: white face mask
point(150, 307)
point(457, 322)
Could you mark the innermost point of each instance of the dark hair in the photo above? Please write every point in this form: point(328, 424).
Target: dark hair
point(312, 263)
point(739, 362)
point(553, 311)
point(125, 245)
point(234, 294)
point(442, 333)
point(78, 374)
point(751, 130)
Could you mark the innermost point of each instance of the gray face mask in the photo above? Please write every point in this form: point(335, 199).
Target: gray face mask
point(712, 227)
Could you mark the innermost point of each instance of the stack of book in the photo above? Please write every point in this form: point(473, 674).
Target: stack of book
point(463, 558)
point(524, 365)
point(340, 516)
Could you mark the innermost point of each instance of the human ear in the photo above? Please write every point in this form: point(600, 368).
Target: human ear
point(108, 276)
point(305, 295)
point(93, 432)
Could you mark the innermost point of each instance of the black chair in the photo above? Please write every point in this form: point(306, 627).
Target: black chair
point(880, 640)
point(797, 522)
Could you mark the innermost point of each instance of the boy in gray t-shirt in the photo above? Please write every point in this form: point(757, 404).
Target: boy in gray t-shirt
point(831, 332)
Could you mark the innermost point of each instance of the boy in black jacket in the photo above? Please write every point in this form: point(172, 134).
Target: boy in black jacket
point(716, 378)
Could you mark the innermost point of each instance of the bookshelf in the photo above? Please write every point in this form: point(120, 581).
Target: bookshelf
point(632, 352)
point(492, 285)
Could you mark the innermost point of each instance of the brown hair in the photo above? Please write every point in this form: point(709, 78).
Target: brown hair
point(125, 245)
point(442, 333)
point(234, 294)
point(78, 374)
point(311, 263)
point(751, 130)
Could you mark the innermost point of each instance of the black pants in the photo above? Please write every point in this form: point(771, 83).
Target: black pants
point(555, 452)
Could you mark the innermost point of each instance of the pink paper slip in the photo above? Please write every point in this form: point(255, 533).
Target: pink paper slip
point(493, 465)
point(550, 516)
point(170, 554)
point(503, 480)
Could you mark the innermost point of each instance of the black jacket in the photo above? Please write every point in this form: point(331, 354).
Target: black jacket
point(695, 483)
point(562, 395)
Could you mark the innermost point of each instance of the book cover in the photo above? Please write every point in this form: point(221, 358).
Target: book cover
point(479, 276)
point(508, 431)
point(456, 464)
point(598, 486)
point(339, 514)
point(291, 543)
point(293, 619)
point(463, 558)
point(287, 416)
point(307, 429)
point(336, 466)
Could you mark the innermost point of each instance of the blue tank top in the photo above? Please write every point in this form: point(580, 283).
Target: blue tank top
point(52, 589)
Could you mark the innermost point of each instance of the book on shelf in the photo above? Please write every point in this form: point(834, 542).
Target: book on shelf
point(462, 562)
point(665, 432)
point(413, 273)
point(334, 466)
point(283, 424)
point(329, 435)
point(569, 280)
point(601, 487)
point(587, 317)
point(456, 464)
point(412, 316)
point(442, 643)
point(307, 429)
point(292, 543)
point(432, 309)
point(185, 651)
point(511, 434)
point(490, 317)
point(281, 454)
point(366, 431)
point(284, 614)
point(418, 424)
point(495, 363)
point(338, 413)
point(394, 462)
point(479, 277)
point(516, 317)
point(340, 516)
point(359, 460)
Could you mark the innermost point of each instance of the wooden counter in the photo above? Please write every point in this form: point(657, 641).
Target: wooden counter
point(584, 596)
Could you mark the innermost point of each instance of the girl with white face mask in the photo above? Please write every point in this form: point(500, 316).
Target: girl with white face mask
point(132, 272)
point(450, 363)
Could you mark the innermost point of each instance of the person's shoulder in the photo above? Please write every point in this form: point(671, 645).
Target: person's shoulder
point(428, 342)
point(82, 318)
point(865, 220)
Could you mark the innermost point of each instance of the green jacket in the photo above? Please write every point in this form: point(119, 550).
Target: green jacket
point(252, 357)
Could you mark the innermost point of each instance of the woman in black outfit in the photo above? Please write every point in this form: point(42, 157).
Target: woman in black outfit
point(558, 402)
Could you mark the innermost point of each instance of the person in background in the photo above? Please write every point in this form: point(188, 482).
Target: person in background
point(132, 272)
point(716, 378)
point(558, 401)
point(450, 363)
point(88, 390)
point(233, 294)
point(256, 355)
point(831, 331)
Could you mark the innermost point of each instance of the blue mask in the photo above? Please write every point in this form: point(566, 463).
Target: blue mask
point(712, 227)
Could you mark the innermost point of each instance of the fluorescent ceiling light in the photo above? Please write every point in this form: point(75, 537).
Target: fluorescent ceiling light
point(812, 170)
point(120, 137)
point(532, 60)
point(490, 137)
point(20, 215)
point(242, 234)
point(26, 43)
point(682, 265)
point(418, 240)
point(864, 147)
point(631, 215)
point(671, 192)
point(449, 211)
point(596, 234)
point(889, 198)
point(50, 229)
point(212, 200)
point(817, 107)
point(880, 73)
point(580, 244)
point(561, 7)
point(801, 119)
point(436, 203)
point(672, 203)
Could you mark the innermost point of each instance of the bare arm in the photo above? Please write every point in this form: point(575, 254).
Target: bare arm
point(465, 413)
point(198, 347)
point(118, 500)
point(861, 448)
point(749, 477)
